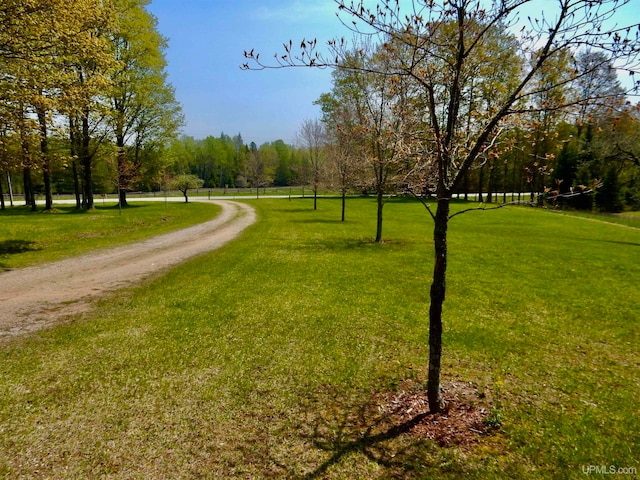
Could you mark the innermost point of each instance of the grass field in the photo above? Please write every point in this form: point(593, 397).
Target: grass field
point(28, 238)
point(268, 358)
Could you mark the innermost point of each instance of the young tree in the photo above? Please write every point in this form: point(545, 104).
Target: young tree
point(438, 45)
point(366, 108)
point(184, 183)
point(312, 138)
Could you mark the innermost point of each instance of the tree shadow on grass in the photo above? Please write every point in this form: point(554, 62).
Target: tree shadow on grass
point(396, 431)
point(340, 244)
point(11, 247)
point(615, 242)
point(14, 247)
point(320, 220)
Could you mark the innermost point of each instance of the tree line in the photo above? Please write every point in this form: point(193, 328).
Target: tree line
point(227, 161)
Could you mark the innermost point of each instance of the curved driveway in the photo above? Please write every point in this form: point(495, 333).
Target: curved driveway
point(37, 297)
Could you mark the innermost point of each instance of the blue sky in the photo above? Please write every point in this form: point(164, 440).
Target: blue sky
point(206, 43)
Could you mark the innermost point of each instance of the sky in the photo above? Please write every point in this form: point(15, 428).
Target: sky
point(207, 39)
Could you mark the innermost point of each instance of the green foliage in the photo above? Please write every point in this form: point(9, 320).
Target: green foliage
point(184, 183)
point(228, 162)
point(267, 358)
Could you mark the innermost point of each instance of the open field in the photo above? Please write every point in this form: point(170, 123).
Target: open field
point(272, 356)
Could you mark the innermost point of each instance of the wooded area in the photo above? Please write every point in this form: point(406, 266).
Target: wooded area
point(85, 104)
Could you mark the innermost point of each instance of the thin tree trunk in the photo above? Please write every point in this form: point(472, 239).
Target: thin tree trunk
point(315, 187)
point(76, 184)
point(2, 205)
point(73, 138)
point(438, 289)
point(379, 217)
point(10, 187)
point(344, 202)
point(122, 172)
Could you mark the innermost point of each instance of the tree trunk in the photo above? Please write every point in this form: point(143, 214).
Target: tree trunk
point(73, 138)
point(480, 182)
point(76, 184)
point(10, 188)
point(315, 199)
point(438, 288)
point(86, 163)
point(186, 198)
point(379, 218)
point(46, 162)
point(2, 206)
point(29, 194)
point(344, 201)
point(122, 172)
point(490, 183)
point(504, 182)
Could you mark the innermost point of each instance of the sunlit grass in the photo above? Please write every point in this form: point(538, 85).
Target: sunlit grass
point(28, 237)
point(260, 360)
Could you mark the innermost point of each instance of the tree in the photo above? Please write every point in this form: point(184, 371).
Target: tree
point(437, 46)
point(312, 138)
point(43, 44)
point(143, 106)
point(184, 183)
point(367, 109)
point(260, 165)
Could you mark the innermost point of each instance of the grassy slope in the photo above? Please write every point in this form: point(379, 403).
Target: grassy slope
point(260, 359)
point(28, 237)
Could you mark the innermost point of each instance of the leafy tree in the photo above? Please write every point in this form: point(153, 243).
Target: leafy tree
point(437, 46)
point(43, 45)
point(143, 107)
point(284, 173)
point(260, 165)
point(184, 183)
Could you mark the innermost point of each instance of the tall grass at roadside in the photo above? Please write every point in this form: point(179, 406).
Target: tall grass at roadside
point(28, 237)
point(263, 359)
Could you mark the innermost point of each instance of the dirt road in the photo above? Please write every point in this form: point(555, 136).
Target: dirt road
point(37, 297)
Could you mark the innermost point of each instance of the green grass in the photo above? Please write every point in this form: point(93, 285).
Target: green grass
point(28, 238)
point(263, 359)
point(630, 219)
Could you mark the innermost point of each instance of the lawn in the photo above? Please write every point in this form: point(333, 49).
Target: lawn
point(28, 238)
point(273, 356)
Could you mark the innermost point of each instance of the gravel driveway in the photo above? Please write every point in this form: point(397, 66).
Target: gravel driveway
point(38, 297)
